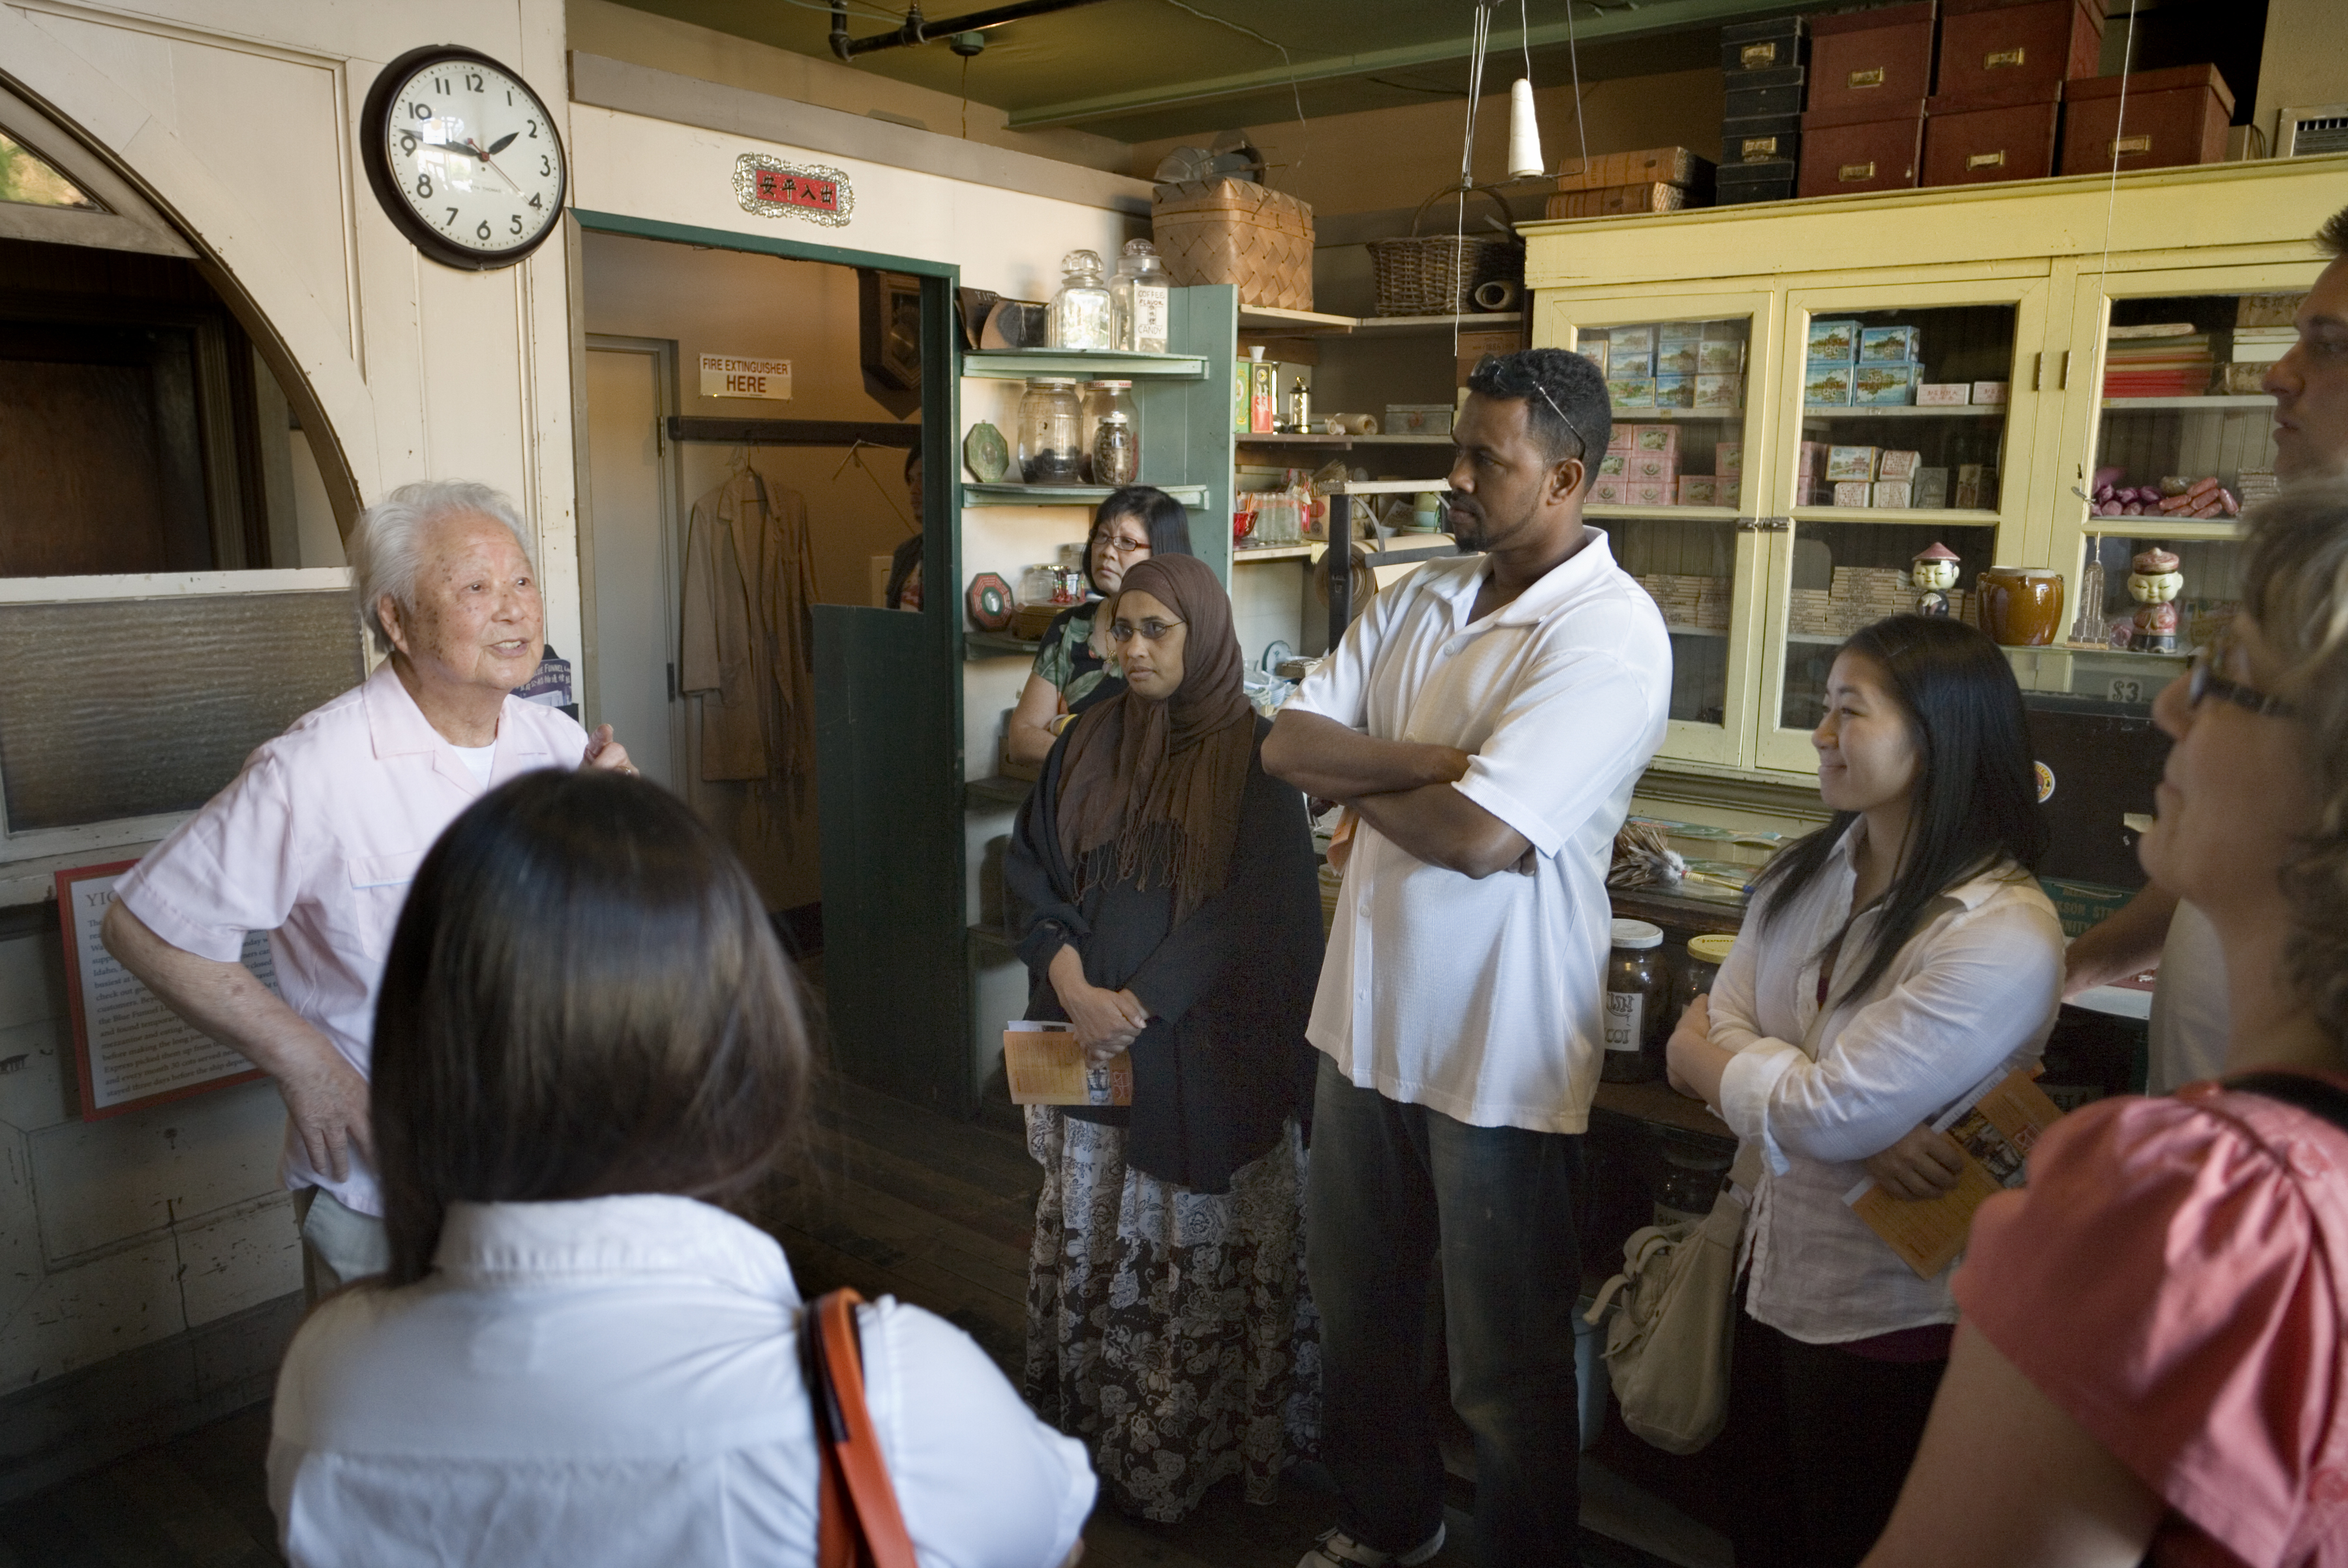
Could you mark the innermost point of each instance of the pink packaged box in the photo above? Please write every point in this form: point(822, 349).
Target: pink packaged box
point(1607, 491)
point(1655, 438)
point(1649, 492)
point(1894, 465)
point(1698, 490)
point(1853, 493)
point(1618, 440)
point(1943, 394)
point(1989, 391)
point(1809, 460)
point(1892, 494)
point(1660, 466)
point(1615, 464)
point(1728, 460)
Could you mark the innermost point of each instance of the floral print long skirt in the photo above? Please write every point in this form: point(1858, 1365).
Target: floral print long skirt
point(1172, 1330)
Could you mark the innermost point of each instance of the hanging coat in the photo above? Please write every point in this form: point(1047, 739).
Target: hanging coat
point(748, 633)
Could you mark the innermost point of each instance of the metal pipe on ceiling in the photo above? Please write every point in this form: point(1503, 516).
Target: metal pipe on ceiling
point(916, 31)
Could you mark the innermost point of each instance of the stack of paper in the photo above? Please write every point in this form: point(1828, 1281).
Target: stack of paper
point(2166, 360)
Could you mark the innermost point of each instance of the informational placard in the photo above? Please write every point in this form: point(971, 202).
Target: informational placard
point(740, 375)
point(132, 1050)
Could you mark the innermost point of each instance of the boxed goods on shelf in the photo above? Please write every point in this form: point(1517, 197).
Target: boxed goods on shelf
point(1887, 345)
point(1850, 463)
point(1989, 391)
point(1974, 144)
point(1700, 603)
point(1848, 150)
point(1719, 391)
point(2157, 360)
point(1827, 385)
point(1929, 488)
point(1883, 386)
point(1768, 180)
point(1992, 46)
point(1878, 62)
point(2173, 116)
point(1944, 394)
point(1752, 94)
point(1891, 495)
point(1612, 201)
point(1764, 46)
point(1630, 391)
point(1675, 389)
point(1833, 338)
point(1233, 231)
point(1650, 166)
point(1697, 489)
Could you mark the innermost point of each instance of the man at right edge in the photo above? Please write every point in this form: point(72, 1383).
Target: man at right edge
point(2187, 1038)
point(1485, 719)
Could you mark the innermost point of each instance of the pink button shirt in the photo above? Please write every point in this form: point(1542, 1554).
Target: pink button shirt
point(315, 842)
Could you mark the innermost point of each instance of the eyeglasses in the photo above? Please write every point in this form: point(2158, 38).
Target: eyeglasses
point(1112, 545)
point(1580, 442)
point(2205, 681)
point(1150, 631)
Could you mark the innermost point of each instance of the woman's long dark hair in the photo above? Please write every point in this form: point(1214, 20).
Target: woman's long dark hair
point(1167, 519)
point(583, 999)
point(1976, 796)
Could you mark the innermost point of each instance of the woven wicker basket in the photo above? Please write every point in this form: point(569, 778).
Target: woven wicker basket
point(1437, 274)
point(1233, 231)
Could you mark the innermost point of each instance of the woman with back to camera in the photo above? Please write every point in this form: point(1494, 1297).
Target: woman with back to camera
point(588, 1040)
point(1164, 899)
point(1889, 961)
point(1129, 526)
point(2155, 1351)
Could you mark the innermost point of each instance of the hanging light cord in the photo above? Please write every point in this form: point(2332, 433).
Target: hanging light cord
point(1573, 54)
point(2104, 272)
point(1481, 42)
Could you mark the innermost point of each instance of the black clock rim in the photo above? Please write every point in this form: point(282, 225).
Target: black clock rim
point(375, 154)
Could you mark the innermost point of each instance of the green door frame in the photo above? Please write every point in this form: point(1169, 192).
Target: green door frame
point(890, 765)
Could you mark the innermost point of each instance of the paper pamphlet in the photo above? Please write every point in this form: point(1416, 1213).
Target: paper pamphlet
point(1047, 1066)
point(1996, 1123)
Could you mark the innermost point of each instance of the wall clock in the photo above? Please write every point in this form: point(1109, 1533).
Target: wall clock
point(463, 156)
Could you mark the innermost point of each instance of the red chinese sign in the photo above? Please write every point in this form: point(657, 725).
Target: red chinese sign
point(798, 190)
point(773, 189)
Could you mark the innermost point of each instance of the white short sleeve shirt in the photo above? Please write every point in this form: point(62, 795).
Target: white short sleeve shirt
point(617, 1381)
point(315, 842)
point(1484, 999)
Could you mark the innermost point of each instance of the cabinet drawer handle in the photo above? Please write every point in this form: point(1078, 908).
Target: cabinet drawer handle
point(1753, 56)
point(1997, 57)
point(1851, 172)
point(1872, 77)
point(1759, 148)
point(1987, 160)
point(2128, 144)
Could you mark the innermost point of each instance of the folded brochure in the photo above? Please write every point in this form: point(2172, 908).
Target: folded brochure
point(1997, 1125)
point(1047, 1066)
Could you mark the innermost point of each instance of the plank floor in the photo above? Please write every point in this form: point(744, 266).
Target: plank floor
point(891, 1199)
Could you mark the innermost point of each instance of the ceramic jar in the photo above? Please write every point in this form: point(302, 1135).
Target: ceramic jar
point(2020, 606)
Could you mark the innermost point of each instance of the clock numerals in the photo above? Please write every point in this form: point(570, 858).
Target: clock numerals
point(447, 164)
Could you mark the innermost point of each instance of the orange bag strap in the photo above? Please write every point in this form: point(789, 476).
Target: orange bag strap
point(859, 1525)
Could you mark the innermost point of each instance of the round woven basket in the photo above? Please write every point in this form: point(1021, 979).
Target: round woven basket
point(1437, 274)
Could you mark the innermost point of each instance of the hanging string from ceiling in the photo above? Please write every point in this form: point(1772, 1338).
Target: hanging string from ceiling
point(2093, 407)
point(1481, 40)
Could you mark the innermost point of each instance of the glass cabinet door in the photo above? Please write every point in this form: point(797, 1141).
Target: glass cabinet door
point(1907, 416)
point(1673, 491)
point(2167, 398)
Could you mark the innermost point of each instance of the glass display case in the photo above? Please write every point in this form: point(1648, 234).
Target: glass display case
point(1671, 489)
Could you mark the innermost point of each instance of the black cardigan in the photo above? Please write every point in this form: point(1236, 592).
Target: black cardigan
point(1224, 1062)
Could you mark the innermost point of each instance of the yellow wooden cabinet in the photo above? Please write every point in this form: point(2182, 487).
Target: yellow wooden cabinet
point(2024, 285)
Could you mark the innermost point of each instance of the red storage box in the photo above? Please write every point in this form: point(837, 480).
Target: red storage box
point(2173, 116)
point(2004, 46)
point(1873, 62)
point(1843, 153)
point(1966, 145)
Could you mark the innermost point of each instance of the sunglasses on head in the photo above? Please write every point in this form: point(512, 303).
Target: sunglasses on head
point(1581, 441)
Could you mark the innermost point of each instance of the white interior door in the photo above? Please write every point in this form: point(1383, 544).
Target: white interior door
point(630, 676)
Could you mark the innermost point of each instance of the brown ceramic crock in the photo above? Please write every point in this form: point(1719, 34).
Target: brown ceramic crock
point(2020, 606)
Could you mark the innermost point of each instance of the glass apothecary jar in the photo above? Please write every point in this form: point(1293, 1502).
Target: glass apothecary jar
point(1116, 434)
point(1051, 432)
point(1139, 300)
point(1080, 311)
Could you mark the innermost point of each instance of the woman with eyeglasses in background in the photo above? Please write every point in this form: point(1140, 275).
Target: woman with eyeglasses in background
point(1129, 526)
point(2154, 1346)
point(1161, 890)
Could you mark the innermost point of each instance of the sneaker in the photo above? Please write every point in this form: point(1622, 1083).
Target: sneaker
point(1336, 1548)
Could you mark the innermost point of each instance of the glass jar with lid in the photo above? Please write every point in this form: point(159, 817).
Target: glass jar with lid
point(1706, 955)
point(1051, 429)
point(1116, 435)
point(1638, 1010)
point(1140, 297)
point(1080, 311)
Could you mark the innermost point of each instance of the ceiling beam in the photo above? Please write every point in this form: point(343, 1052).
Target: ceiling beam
point(1615, 22)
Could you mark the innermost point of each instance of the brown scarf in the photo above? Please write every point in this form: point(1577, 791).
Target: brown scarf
point(1161, 781)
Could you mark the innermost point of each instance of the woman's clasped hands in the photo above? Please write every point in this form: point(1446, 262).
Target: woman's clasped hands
point(1106, 1022)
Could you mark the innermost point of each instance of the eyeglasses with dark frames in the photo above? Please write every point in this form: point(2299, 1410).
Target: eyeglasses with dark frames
point(1148, 631)
point(1581, 441)
point(2205, 681)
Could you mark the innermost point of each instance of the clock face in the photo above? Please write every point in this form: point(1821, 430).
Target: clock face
point(464, 157)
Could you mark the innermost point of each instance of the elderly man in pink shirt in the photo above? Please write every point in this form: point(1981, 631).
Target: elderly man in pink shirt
point(317, 839)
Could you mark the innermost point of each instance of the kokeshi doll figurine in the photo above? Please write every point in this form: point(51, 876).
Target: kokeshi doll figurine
point(2154, 584)
point(1934, 572)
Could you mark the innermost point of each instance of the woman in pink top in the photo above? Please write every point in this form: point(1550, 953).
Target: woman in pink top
point(2152, 1355)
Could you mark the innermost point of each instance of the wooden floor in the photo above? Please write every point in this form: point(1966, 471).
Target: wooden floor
point(894, 1199)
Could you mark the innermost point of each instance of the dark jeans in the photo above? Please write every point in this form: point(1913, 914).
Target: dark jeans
point(1391, 1188)
point(1822, 1441)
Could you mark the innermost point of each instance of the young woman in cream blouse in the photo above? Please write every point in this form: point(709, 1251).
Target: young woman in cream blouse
point(1891, 961)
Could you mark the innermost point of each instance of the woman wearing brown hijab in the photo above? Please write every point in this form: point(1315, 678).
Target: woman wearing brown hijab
point(1163, 896)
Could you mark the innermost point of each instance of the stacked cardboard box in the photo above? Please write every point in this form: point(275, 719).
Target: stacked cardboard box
point(1698, 603)
point(1997, 103)
point(1859, 596)
point(1765, 67)
point(1870, 73)
point(1654, 179)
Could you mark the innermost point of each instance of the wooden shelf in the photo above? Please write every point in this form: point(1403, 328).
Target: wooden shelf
point(996, 646)
point(1669, 513)
point(1264, 318)
point(2165, 527)
point(1947, 517)
point(1019, 364)
point(1064, 495)
point(1642, 415)
point(2212, 405)
point(1474, 322)
point(1694, 631)
point(1904, 411)
point(1279, 552)
point(1338, 442)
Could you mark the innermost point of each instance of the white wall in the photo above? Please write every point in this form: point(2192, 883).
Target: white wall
point(119, 1233)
